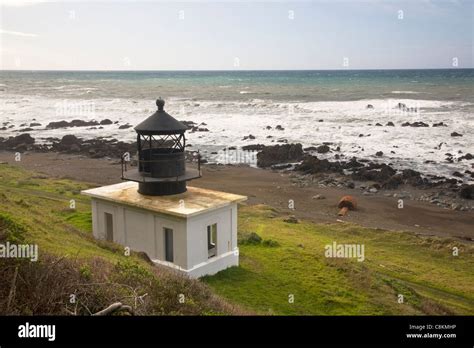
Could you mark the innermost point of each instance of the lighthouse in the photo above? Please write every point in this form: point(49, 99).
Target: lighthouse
point(188, 229)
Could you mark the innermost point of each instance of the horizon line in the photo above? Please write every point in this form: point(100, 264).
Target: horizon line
point(223, 70)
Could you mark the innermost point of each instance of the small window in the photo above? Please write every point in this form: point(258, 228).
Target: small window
point(212, 240)
point(109, 227)
point(169, 256)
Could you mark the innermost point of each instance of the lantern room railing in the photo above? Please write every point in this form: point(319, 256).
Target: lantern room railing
point(142, 175)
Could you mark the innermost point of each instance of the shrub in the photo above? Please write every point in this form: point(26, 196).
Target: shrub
point(252, 238)
point(270, 243)
point(10, 230)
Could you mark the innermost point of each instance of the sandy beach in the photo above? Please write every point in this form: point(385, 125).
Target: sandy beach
point(276, 189)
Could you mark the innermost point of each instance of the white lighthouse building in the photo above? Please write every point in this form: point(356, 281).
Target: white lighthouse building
point(188, 229)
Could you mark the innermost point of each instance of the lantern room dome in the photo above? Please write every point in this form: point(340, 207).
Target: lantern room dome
point(160, 123)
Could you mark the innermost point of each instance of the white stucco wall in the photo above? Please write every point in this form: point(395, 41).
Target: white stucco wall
point(197, 234)
point(142, 230)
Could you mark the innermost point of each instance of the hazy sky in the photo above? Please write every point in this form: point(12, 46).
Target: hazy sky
point(220, 35)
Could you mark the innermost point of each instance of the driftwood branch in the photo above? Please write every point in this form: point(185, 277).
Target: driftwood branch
point(12, 292)
point(114, 307)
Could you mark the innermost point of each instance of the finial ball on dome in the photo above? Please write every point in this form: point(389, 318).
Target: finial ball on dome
point(160, 103)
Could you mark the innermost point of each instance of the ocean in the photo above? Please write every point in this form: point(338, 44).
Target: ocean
point(312, 107)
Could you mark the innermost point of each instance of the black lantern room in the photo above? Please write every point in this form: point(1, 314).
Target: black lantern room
point(161, 166)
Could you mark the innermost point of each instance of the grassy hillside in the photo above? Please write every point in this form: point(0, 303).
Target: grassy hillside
point(422, 269)
point(36, 209)
point(289, 261)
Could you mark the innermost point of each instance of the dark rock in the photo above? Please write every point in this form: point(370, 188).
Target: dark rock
point(268, 127)
point(198, 129)
point(59, 124)
point(369, 106)
point(410, 173)
point(312, 165)
point(250, 136)
point(467, 191)
point(25, 129)
point(322, 149)
point(439, 124)
point(374, 172)
point(35, 124)
point(353, 164)
point(188, 124)
point(21, 147)
point(75, 148)
point(279, 154)
point(419, 124)
point(69, 140)
point(73, 123)
point(125, 126)
point(467, 156)
point(279, 127)
point(378, 124)
point(390, 124)
point(393, 182)
point(106, 122)
point(253, 147)
point(458, 175)
point(13, 142)
point(455, 134)
point(379, 154)
point(412, 177)
point(415, 124)
point(310, 148)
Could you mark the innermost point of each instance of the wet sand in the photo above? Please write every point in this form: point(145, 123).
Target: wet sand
point(276, 189)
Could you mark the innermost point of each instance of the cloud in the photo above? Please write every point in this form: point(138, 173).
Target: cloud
point(20, 2)
point(17, 33)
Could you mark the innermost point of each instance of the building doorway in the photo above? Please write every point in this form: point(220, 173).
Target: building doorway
point(109, 227)
point(169, 255)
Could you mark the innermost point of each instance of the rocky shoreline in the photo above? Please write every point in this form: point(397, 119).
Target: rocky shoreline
point(306, 168)
point(365, 175)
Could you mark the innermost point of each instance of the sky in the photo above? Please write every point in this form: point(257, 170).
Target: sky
point(246, 35)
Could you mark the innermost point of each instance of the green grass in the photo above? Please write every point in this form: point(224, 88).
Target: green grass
point(42, 205)
point(36, 209)
point(422, 269)
point(288, 261)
